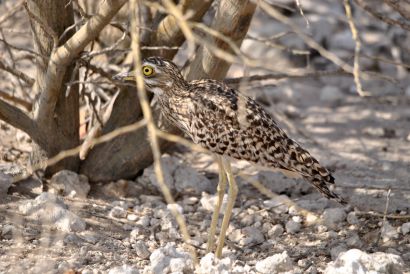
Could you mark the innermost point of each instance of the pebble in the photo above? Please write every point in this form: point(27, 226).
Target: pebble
point(50, 209)
point(208, 202)
point(176, 207)
point(211, 265)
point(277, 204)
point(124, 269)
point(69, 183)
point(276, 231)
point(352, 218)
point(388, 232)
point(141, 249)
point(274, 264)
point(405, 228)
point(251, 235)
point(118, 212)
point(333, 217)
point(160, 259)
point(357, 261)
point(132, 217)
point(292, 227)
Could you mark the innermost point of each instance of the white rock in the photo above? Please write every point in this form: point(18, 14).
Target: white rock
point(251, 235)
point(389, 232)
point(160, 259)
point(176, 207)
point(274, 264)
point(276, 231)
point(188, 179)
point(333, 217)
point(211, 265)
point(357, 261)
point(69, 183)
point(118, 212)
point(141, 249)
point(278, 204)
point(292, 227)
point(168, 164)
point(124, 269)
point(331, 94)
point(405, 228)
point(208, 202)
point(5, 182)
point(50, 209)
point(132, 217)
point(352, 218)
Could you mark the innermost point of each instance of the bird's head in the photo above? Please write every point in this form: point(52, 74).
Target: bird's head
point(161, 76)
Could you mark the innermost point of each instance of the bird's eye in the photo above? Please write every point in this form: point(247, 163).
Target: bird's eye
point(147, 70)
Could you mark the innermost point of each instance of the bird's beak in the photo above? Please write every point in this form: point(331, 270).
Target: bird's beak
point(124, 76)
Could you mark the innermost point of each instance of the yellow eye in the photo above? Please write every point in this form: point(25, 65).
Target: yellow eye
point(147, 70)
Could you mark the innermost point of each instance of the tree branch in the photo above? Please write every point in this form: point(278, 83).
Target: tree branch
point(66, 53)
point(17, 73)
point(17, 118)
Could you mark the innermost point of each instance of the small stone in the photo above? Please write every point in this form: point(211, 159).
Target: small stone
point(354, 241)
point(208, 202)
point(141, 249)
point(389, 232)
point(144, 221)
point(276, 231)
point(132, 217)
point(357, 261)
point(69, 183)
point(211, 265)
point(274, 264)
point(292, 227)
point(352, 218)
point(321, 228)
point(405, 228)
point(124, 269)
point(407, 92)
point(176, 207)
point(251, 235)
point(190, 180)
point(118, 212)
point(333, 217)
point(50, 209)
point(161, 258)
point(277, 204)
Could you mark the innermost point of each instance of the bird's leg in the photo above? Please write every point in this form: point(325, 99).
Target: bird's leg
point(233, 191)
point(215, 216)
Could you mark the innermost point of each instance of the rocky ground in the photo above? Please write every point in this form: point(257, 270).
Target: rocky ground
point(66, 225)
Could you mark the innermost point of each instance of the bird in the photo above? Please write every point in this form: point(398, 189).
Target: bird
point(231, 126)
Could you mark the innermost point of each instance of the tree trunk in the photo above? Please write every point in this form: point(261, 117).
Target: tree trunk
point(61, 132)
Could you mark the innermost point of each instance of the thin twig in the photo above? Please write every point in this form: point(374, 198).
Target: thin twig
point(356, 64)
point(152, 131)
point(11, 12)
point(19, 74)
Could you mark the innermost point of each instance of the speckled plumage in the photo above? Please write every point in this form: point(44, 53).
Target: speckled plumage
point(228, 123)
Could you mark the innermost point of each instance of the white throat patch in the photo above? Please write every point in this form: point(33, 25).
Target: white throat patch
point(157, 91)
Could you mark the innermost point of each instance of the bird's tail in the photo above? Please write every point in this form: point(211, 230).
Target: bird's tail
point(324, 183)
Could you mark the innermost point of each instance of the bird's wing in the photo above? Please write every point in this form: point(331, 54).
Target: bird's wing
point(229, 123)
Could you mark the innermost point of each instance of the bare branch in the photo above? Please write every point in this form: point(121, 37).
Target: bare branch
point(21, 75)
point(11, 12)
point(23, 103)
point(17, 118)
point(401, 23)
point(66, 53)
